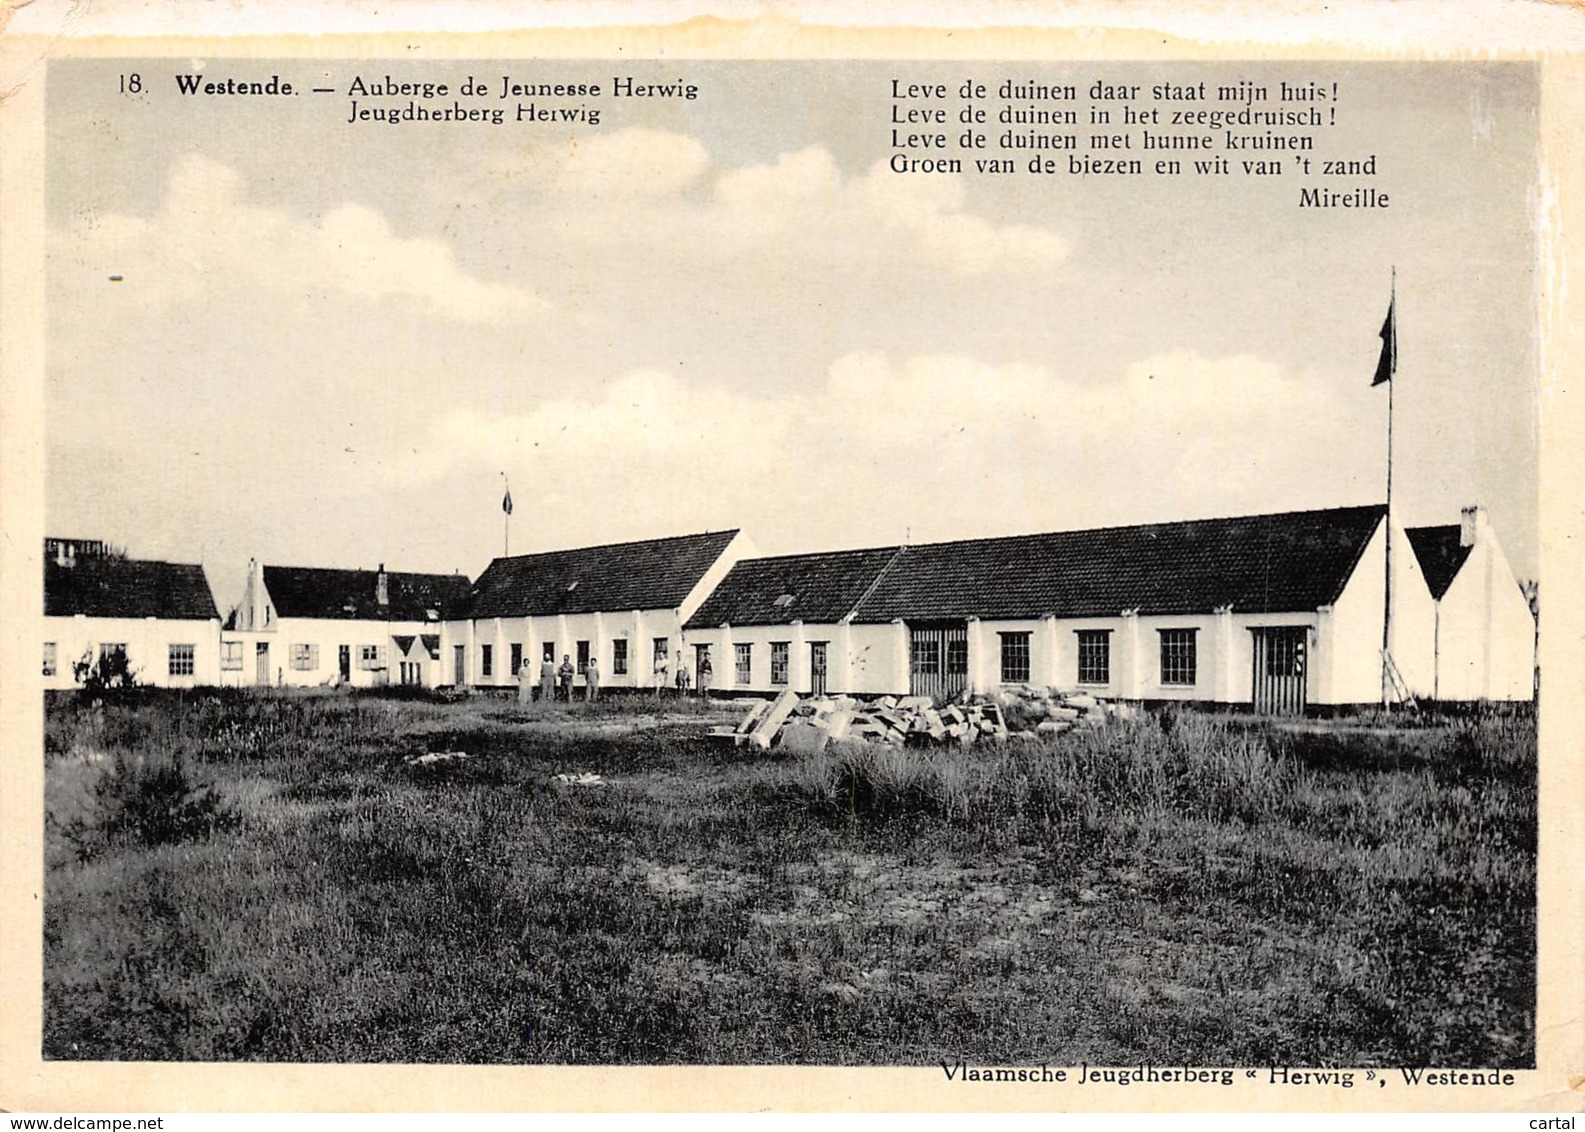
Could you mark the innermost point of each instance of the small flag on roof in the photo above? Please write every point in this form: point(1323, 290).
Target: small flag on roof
point(506, 502)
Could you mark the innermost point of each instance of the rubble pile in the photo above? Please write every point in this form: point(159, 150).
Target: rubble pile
point(809, 724)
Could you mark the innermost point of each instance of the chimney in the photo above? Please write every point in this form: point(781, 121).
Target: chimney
point(1472, 520)
point(382, 587)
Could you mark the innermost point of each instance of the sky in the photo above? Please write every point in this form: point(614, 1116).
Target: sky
point(332, 344)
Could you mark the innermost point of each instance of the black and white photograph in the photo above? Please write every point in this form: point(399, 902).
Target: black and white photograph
point(1025, 569)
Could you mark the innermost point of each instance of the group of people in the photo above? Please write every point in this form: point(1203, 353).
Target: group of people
point(684, 678)
point(556, 681)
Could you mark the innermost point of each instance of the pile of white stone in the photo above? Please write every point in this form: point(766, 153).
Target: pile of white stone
point(809, 724)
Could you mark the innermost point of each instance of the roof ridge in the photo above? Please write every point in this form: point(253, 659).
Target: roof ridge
point(1379, 507)
point(366, 570)
point(734, 531)
point(813, 554)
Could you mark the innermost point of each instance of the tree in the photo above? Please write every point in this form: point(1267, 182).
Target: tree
point(111, 670)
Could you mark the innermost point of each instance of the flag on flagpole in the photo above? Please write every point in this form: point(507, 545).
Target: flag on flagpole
point(506, 503)
point(1388, 364)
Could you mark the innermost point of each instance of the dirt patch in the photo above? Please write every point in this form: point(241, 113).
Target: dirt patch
point(684, 881)
point(1004, 903)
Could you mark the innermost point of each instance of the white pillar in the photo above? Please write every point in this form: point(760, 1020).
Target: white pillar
point(1127, 658)
point(840, 666)
point(1048, 675)
point(1222, 656)
point(900, 679)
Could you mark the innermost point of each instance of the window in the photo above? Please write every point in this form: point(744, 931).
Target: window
point(957, 656)
point(231, 656)
point(1177, 656)
point(116, 651)
point(411, 674)
point(1095, 656)
point(305, 658)
point(619, 657)
point(49, 658)
point(926, 657)
point(662, 647)
point(486, 660)
point(181, 660)
point(1015, 658)
point(583, 657)
point(370, 657)
point(517, 657)
point(778, 661)
point(744, 656)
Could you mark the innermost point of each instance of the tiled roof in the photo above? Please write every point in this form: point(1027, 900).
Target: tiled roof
point(302, 591)
point(127, 587)
point(1440, 555)
point(656, 574)
point(815, 588)
point(1256, 564)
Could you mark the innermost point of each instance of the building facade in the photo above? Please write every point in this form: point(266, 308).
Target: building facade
point(622, 604)
point(157, 617)
point(1483, 635)
point(1278, 612)
point(305, 626)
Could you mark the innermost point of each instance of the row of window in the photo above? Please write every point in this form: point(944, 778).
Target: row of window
point(181, 660)
point(1178, 657)
point(619, 663)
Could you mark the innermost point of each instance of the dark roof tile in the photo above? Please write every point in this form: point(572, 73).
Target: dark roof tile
point(1256, 564)
point(303, 591)
point(1440, 555)
point(128, 587)
point(655, 574)
point(814, 588)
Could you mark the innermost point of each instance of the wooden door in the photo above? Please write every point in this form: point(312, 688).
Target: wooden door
point(261, 664)
point(817, 668)
point(459, 665)
point(344, 663)
point(938, 660)
point(1279, 669)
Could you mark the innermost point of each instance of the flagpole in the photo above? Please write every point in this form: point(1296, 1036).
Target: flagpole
point(1386, 619)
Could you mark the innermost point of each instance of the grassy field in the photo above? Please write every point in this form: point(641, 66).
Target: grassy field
point(272, 877)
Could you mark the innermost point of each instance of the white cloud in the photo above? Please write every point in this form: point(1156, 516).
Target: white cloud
point(947, 445)
point(655, 189)
point(208, 239)
point(619, 165)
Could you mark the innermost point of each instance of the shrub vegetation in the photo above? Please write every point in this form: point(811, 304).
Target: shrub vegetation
point(245, 876)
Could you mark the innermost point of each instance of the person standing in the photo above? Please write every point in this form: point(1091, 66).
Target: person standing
point(704, 672)
point(591, 679)
point(566, 672)
point(525, 683)
point(547, 679)
point(684, 677)
point(662, 674)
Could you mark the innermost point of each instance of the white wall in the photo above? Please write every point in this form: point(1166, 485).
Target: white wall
point(1224, 654)
point(638, 628)
point(860, 659)
point(148, 641)
point(328, 635)
point(1350, 644)
point(1485, 633)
